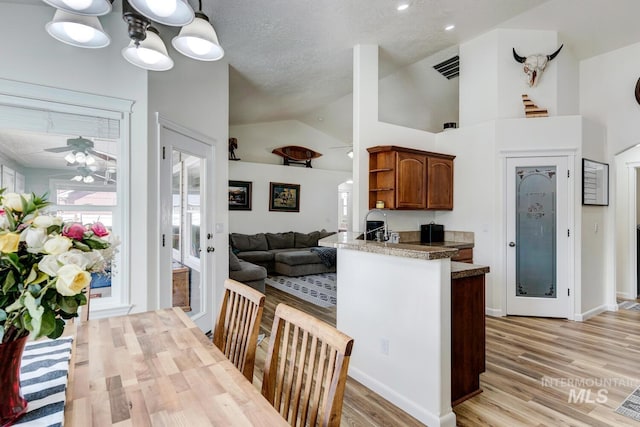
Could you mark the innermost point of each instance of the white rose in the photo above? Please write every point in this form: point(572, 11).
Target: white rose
point(74, 256)
point(49, 265)
point(35, 238)
point(12, 201)
point(95, 260)
point(57, 245)
point(43, 221)
point(72, 280)
point(56, 220)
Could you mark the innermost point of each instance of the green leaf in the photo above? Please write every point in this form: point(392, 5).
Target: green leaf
point(9, 281)
point(1, 328)
point(33, 275)
point(54, 229)
point(13, 260)
point(16, 305)
point(58, 329)
point(35, 311)
point(11, 220)
point(96, 243)
point(48, 324)
point(68, 304)
point(41, 278)
point(79, 245)
point(34, 289)
point(3, 316)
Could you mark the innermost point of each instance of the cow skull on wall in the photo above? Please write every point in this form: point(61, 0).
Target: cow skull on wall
point(534, 65)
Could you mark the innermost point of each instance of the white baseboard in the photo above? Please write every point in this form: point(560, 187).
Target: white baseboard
point(407, 405)
point(624, 295)
point(495, 312)
point(579, 317)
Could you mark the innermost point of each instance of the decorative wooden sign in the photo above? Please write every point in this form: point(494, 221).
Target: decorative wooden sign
point(296, 155)
point(531, 109)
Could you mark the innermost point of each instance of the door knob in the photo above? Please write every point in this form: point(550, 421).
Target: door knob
point(210, 249)
point(512, 244)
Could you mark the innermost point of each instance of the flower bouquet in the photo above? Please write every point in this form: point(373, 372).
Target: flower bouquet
point(45, 265)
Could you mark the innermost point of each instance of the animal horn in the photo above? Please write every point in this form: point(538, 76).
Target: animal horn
point(517, 57)
point(554, 54)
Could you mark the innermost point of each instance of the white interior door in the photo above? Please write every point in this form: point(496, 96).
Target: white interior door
point(538, 237)
point(186, 246)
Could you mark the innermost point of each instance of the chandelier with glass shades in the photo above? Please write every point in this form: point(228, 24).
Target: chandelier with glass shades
point(76, 23)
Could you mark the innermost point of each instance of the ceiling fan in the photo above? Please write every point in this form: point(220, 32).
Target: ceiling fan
point(349, 149)
point(81, 152)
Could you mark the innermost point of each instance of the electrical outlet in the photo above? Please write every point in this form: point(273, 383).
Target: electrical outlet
point(384, 346)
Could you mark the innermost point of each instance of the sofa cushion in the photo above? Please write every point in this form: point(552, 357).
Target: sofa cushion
point(298, 258)
point(306, 240)
point(234, 262)
point(256, 256)
point(280, 240)
point(324, 233)
point(249, 272)
point(249, 242)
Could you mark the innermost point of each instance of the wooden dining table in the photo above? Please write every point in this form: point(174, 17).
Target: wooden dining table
point(157, 369)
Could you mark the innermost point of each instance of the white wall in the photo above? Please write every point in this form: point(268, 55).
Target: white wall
point(419, 97)
point(606, 96)
point(318, 198)
point(256, 141)
point(492, 82)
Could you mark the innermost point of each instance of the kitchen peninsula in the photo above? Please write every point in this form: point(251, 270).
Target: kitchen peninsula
point(396, 301)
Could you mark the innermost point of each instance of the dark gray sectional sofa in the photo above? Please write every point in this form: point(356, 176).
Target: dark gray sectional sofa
point(290, 253)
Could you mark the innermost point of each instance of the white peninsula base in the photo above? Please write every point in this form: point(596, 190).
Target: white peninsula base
point(398, 310)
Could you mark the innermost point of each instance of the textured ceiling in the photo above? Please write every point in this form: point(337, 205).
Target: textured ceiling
point(288, 57)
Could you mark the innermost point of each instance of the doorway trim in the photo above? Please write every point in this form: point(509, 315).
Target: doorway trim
point(570, 154)
point(209, 291)
point(629, 289)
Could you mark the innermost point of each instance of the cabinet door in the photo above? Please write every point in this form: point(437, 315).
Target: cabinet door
point(411, 191)
point(439, 183)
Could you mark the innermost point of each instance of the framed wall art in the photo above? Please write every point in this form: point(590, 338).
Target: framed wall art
point(284, 197)
point(595, 183)
point(239, 195)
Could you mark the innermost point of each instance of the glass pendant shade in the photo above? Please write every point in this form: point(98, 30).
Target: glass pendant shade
point(82, 7)
point(151, 54)
point(77, 30)
point(199, 40)
point(176, 13)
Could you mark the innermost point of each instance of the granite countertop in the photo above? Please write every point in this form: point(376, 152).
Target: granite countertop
point(348, 240)
point(446, 244)
point(460, 270)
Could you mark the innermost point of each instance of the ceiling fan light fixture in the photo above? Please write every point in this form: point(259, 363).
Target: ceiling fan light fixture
point(70, 158)
point(175, 13)
point(80, 157)
point(89, 160)
point(150, 53)
point(88, 179)
point(82, 7)
point(77, 178)
point(199, 40)
point(77, 30)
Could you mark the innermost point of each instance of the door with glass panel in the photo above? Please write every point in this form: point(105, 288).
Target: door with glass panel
point(186, 246)
point(538, 237)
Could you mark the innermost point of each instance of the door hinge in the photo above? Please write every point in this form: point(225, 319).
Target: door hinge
point(568, 233)
point(568, 292)
point(164, 153)
point(568, 174)
point(163, 240)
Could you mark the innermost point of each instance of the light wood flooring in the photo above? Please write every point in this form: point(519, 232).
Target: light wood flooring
point(521, 351)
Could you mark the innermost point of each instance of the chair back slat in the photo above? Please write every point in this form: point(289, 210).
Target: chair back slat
point(236, 330)
point(306, 369)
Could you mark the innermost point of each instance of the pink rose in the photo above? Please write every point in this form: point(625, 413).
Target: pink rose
point(99, 229)
point(73, 231)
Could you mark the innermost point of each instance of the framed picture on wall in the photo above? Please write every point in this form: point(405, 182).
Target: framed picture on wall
point(595, 183)
point(239, 195)
point(284, 197)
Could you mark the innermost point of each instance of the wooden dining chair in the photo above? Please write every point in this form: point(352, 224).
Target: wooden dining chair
point(236, 331)
point(306, 368)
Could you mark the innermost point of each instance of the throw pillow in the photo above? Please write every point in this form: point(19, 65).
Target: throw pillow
point(280, 240)
point(234, 262)
point(306, 240)
point(249, 242)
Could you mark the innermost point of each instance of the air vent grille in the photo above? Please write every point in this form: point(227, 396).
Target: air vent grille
point(449, 68)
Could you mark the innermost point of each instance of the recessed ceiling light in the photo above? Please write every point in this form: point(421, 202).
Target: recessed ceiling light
point(403, 6)
point(449, 27)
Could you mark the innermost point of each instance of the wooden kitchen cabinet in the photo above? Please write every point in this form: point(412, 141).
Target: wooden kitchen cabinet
point(406, 178)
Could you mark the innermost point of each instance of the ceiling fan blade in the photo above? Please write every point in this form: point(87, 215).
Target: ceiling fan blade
point(100, 154)
point(106, 178)
point(58, 149)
